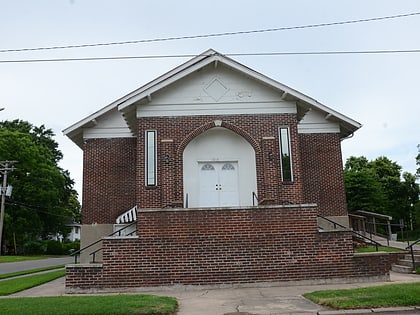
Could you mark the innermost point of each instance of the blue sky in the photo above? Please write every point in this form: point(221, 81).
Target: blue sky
point(379, 91)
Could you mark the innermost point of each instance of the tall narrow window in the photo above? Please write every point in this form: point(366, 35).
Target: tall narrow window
point(151, 158)
point(285, 152)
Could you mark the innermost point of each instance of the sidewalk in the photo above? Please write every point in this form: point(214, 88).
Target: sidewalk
point(257, 300)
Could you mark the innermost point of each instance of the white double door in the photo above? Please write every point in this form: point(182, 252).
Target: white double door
point(218, 184)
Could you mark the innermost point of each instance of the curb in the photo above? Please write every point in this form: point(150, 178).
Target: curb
point(379, 311)
point(363, 311)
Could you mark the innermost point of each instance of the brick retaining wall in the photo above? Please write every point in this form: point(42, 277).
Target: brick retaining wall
point(226, 246)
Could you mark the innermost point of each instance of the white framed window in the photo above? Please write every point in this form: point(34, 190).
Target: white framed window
point(151, 160)
point(285, 155)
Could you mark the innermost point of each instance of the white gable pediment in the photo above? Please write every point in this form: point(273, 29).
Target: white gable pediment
point(215, 90)
point(208, 84)
point(109, 125)
point(316, 121)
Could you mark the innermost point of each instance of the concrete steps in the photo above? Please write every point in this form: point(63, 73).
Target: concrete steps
point(405, 264)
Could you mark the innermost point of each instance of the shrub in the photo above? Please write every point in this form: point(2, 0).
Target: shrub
point(35, 247)
point(54, 248)
point(69, 247)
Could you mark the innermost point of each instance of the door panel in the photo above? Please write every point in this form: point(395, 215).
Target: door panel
point(228, 176)
point(219, 184)
point(208, 181)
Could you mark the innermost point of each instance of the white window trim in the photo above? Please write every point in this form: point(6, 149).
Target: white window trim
point(289, 145)
point(150, 180)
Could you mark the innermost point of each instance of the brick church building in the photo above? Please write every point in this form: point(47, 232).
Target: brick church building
point(230, 176)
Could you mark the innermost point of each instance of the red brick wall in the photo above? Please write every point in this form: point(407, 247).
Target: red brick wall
point(181, 130)
point(111, 185)
point(322, 171)
point(109, 179)
point(84, 276)
point(223, 246)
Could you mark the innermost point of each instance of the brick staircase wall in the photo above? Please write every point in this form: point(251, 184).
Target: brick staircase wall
point(226, 246)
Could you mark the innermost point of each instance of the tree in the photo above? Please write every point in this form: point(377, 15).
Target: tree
point(356, 164)
point(410, 200)
point(43, 199)
point(379, 186)
point(363, 188)
point(389, 175)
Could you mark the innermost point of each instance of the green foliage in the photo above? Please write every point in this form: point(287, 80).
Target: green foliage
point(35, 247)
point(409, 235)
point(378, 186)
point(54, 248)
point(139, 304)
point(364, 191)
point(69, 247)
point(372, 249)
point(50, 247)
point(43, 198)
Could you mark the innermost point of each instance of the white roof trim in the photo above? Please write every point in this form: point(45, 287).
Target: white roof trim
point(88, 119)
point(122, 104)
point(147, 89)
point(211, 56)
point(73, 128)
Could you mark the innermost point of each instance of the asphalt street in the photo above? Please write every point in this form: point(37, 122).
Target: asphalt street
point(34, 264)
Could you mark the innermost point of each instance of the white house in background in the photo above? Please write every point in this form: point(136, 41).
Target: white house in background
point(74, 234)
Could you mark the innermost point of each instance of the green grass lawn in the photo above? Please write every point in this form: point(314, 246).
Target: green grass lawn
point(11, 286)
point(26, 272)
point(90, 305)
point(7, 259)
point(391, 295)
point(370, 249)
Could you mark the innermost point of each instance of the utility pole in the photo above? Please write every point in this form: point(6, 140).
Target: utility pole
point(5, 167)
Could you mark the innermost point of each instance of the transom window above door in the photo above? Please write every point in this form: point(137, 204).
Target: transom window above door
point(207, 167)
point(228, 167)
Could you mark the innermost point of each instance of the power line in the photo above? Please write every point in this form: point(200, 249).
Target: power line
point(267, 30)
point(260, 54)
point(38, 208)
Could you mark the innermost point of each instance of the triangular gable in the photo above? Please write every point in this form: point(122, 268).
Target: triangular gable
point(125, 105)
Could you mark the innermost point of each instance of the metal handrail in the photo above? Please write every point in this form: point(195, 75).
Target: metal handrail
point(75, 254)
point(94, 254)
point(377, 244)
point(99, 249)
point(412, 253)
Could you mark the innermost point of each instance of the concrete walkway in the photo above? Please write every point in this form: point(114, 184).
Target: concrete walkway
point(256, 300)
point(263, 301)
point(240, 301)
